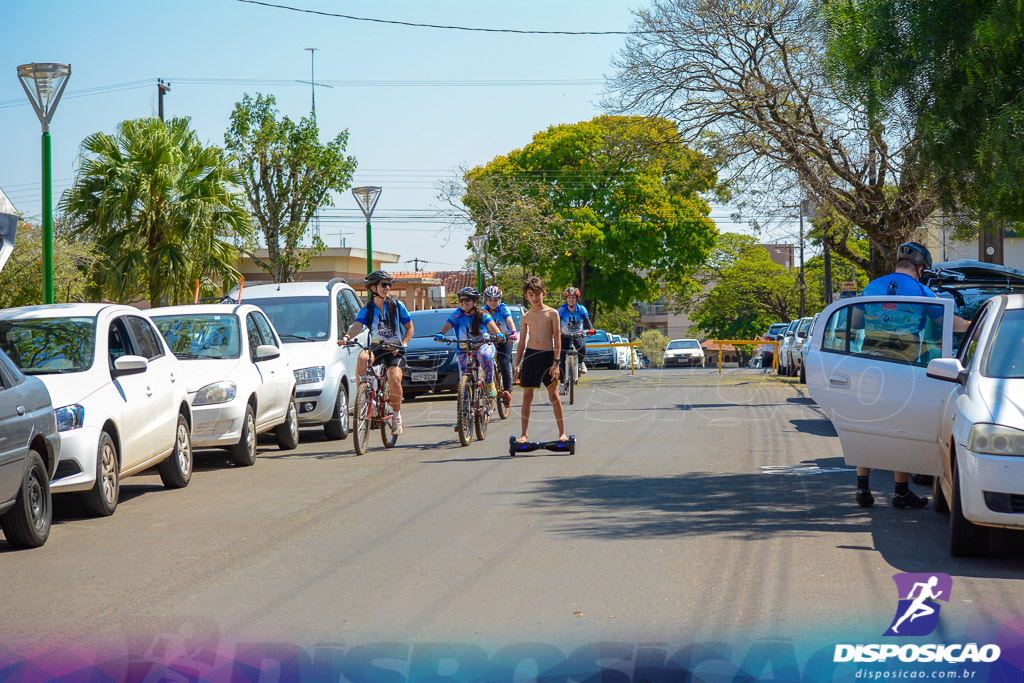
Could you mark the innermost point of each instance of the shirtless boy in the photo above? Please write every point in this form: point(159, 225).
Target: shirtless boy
point(537, 359)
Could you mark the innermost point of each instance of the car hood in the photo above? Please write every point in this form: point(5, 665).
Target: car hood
point(1005, 400)
point(305, 354)
point(426, 344)
point(203, 371)
point(74, 387)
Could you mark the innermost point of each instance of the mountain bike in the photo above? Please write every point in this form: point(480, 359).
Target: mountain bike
point(504, 402)
point(473, 405)
point(373, 404)
point(572, 365)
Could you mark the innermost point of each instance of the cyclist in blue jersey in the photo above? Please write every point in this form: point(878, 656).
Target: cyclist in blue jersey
point(472, 323)
point(575, 321)
point(503, 318)
point(389, 322)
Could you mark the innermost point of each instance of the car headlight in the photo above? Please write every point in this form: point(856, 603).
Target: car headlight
point(996, 440)
point(218, 392)
point(69, 417)
point(309, 375)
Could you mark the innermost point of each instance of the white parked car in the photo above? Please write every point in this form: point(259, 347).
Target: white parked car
point(118, 394)
point(310, 318)
point(684, 352)
point(238, 382)
point(784, 343)
point(621, 352)
point(805, 346)
point(794, 359)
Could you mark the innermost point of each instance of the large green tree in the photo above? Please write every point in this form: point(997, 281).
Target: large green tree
point(288, 174)
point(162, 208)
point(621, 204)
point(956, 69)
point(21, 282)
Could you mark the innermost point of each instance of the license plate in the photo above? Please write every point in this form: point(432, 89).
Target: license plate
point(424, 377)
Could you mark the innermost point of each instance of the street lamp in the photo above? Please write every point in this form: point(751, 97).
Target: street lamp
point(367, 198)
point(44, 84)
point(479, 242)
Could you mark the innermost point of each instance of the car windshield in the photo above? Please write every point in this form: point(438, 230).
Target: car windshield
point(1006, 356)
point(777, 328)
point(600, 336)
point(49, 346)
point(428, 323)
point(201, 336)
point(298, 318)
point(683, 344)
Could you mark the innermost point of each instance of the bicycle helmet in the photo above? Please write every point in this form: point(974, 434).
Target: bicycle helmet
point(571, 291)
point(492, 292)
point(916, 253)
point(376, 277)
point(469, 292)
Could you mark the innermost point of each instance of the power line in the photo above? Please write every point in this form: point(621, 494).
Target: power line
point(440, 26)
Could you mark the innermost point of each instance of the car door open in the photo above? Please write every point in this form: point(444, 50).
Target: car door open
point(866, 369)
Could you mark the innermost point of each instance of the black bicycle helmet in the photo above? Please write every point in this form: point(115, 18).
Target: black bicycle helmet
point(470, 292)
point(914, 252)
point(377, 277)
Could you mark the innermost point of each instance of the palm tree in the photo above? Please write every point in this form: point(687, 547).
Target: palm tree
point(163, 209)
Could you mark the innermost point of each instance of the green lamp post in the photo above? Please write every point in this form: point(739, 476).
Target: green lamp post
point(367, 198)
point(479, 243)
point(44, 84)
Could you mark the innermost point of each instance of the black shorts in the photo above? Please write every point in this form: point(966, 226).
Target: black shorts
point(389, 357)
point(536, 369)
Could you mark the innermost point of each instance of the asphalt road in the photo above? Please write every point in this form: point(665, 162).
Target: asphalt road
point(698, 506)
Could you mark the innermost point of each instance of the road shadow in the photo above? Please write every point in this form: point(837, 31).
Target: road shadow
point(817, 427)
point(753, 507)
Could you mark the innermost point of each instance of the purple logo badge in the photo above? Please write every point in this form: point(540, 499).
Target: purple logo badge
point(917, 615)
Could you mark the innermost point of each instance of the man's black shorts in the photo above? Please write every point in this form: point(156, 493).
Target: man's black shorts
point(389, 357)
point(536, 369)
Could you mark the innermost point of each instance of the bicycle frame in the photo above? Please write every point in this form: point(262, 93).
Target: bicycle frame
point(376, 375)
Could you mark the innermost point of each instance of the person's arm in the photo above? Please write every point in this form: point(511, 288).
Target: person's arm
point(959, 324)
point(587, 325)
point(556, 343)
point(408, 333)
point(353, 331)
point(493, 328)
point(444, 328)
point(511, 324)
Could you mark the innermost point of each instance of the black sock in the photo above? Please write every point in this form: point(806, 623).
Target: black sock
point(862, 482)
point(902, 489)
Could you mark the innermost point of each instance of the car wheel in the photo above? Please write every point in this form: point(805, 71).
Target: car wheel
point(965, 539)
point(27, 524)
point(243, 453)
point(287, 433)
point(939, 502)
point(176, 470)
point(101, 499)
point(337, 428)
point(803, 375)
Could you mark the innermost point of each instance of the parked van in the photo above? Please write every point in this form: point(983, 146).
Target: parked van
point(310, 318)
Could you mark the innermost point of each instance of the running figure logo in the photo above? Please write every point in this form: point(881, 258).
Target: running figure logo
point(916, 614)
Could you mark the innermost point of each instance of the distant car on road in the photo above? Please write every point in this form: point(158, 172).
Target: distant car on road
point(784, 341)
point(29, 452)
point(604, 356)
point(774, 332)
point(686, 352)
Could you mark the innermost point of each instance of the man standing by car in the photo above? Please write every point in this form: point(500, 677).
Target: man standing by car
point(912, 259)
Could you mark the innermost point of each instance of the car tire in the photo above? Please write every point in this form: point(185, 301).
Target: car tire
point(176, 470)
point(337, 428)
point(101, 499)
point(287, 433)
point(939, 502)
point(243, 453)
point(965, 538)
point(27, 524)
point(803, 375)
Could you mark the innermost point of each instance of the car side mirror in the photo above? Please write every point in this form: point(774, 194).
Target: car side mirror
point(129, 365)
point(947, 370)
point(267, 352)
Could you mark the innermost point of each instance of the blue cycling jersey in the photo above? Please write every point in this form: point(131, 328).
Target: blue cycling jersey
point(572, 321)
point(381, 323)
point(462, 325)
point(897, 284)
point(501, 317)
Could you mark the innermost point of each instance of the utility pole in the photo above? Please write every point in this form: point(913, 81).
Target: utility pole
point(416, 263)
point(161, 88)
point(312, 78)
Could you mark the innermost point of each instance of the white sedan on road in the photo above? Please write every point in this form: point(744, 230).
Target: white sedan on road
point(117, 391)
point(238, 382)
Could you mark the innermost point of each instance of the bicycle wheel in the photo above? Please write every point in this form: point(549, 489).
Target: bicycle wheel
point(364, 415)
point(482, 406)
point(387, 433)
point(570, 375)
point(504, 401)
point(464, 409)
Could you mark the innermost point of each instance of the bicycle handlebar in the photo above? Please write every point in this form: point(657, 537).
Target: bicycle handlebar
point(467, 342)
point(366, 347)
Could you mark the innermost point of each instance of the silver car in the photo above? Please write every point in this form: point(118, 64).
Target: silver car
point(29, 451)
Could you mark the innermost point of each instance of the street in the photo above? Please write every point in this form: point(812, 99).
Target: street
point(698, 507)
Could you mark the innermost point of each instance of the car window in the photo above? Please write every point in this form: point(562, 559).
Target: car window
point(1006, 353)
point(149, 345)
point(600, 337)
point(118, 343)
point(903, 332)
point(298, 318)
point(969, 348)
point(266, 331)
point(344, 312)
point(353, 302)
point(12, 370)
point(43, 346)
point(254, 334)
point(204, 335)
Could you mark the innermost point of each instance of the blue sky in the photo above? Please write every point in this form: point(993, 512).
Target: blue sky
point(406, 136)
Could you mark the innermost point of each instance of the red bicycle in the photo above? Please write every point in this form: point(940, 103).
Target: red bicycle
point(373, 403)
point(474, 406)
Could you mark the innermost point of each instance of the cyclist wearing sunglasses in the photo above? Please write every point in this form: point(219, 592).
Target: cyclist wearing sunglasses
point(383, 315)
point(472, 323)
